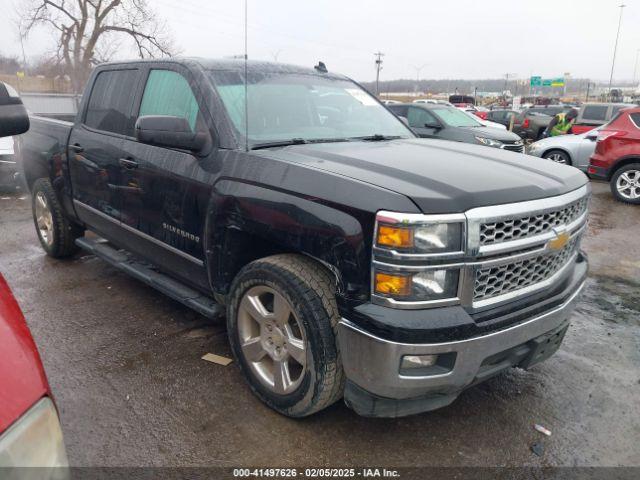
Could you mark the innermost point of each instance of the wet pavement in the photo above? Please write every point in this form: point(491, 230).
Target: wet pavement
point(124, 364)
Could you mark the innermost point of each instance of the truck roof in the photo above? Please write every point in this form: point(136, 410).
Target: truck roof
point(232, 64)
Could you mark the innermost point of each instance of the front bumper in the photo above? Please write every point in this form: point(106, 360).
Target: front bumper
point(377, 387)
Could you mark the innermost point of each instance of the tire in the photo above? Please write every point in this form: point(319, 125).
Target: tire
point(56, 233)
point(558, 156)
point(309, 290)
point(625, 184)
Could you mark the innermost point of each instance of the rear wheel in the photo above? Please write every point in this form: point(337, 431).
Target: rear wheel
point(625, 184)
point(282, 320)
point(558, 156)
point(56, 233)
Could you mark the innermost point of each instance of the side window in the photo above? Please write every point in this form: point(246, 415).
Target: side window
point(399, 110)
point(109, 107)
point(169, 93)
point(595, 112)
point(635, 118)
point(419, 117)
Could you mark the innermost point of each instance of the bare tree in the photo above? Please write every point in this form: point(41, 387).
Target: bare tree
point(89, 31)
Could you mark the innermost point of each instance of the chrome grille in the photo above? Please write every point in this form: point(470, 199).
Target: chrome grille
point(506, 278)
point(522, 227)
point(514, 148)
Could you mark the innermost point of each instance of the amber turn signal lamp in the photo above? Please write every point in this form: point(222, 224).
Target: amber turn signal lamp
point(397, 285)
point(395, 236)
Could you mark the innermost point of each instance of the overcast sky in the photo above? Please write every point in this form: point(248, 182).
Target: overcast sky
point(454, 39)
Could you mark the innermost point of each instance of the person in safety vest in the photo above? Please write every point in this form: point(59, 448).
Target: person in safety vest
point(561, 124)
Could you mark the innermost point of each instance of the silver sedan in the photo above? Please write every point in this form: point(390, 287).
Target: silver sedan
point(568, 149)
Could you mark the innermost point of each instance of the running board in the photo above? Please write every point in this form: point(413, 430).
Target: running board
point(144, 272)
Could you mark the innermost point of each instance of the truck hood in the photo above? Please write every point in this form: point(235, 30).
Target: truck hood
point(439, 176)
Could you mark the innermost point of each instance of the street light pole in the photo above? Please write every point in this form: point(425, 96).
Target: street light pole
point(378, 56)
point(635, 69)
point(615, 47)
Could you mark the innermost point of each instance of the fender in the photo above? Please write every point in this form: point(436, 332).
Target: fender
point(246, 222)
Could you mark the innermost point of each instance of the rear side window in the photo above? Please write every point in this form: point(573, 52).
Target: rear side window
point(169, 93)
point(595, 112)
point(635, 118)
point(109, 107)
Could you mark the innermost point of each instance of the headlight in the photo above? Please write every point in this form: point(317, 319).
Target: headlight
point(489, 142)
point(402, 240)
point(405, 234)
point(423, 286)
point(34, 440)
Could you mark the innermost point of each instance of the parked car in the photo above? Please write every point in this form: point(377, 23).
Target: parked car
point(351, 258)
point(462, 100)
point(531, 123)
point(572, 150)
point(30, 433)
point(449, 123)
point(594, 115)
point(482, 114)
point(617, 156)
point(503, 117)
point(8, 167)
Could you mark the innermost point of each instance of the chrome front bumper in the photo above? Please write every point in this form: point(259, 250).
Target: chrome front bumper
point(373, 363)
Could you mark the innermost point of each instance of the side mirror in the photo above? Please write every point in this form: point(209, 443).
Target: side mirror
point(592, 137)
point(14, 119)
point(168, 131)
point(434, 125)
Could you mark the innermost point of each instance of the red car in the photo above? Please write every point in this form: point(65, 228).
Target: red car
point(617, 156)
point(30, 433)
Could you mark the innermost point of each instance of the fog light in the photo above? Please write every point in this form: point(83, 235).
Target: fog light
point(418, 361)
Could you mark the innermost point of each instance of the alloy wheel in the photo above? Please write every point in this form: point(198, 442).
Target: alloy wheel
point(557, 157)
point(272, 339)
point(628, 184)
point(44, 219)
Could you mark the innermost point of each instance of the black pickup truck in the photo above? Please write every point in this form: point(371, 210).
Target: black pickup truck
point(351, 259)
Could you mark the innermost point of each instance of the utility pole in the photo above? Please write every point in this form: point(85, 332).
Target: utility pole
point(635, 69)
point(615, 47)
point(588, 86)
point(378, 56)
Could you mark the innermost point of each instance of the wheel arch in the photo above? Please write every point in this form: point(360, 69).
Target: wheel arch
point(626, 160)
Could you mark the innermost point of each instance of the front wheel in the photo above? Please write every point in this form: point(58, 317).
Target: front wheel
point(56, 233)
point(558, 156)
point(282, 319)
point(625, 184)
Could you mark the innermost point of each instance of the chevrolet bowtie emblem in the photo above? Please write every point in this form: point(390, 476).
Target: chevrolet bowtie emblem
point(562, 238)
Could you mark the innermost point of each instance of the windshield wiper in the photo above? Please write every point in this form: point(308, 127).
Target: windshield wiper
point(297, 141)
point(279, 143)
point(376, 137)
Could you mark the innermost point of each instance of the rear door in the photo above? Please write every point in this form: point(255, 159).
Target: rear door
point(169, 189)
point(96, 148)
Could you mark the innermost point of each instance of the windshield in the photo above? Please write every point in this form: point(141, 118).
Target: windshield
point(455, 118)
point(305, 107)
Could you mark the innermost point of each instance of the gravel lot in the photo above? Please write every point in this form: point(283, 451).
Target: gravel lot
point(124, 364)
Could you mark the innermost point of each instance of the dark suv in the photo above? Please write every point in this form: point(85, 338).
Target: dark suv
point(450, 123)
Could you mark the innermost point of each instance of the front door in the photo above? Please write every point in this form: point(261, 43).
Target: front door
point(96, 149)
point(421, 121)
point(168, 190)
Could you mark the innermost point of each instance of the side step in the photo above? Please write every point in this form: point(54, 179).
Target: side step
point(144, 272)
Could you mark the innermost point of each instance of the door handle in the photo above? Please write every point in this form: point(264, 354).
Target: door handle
point(128, 163)
point(76, 147)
